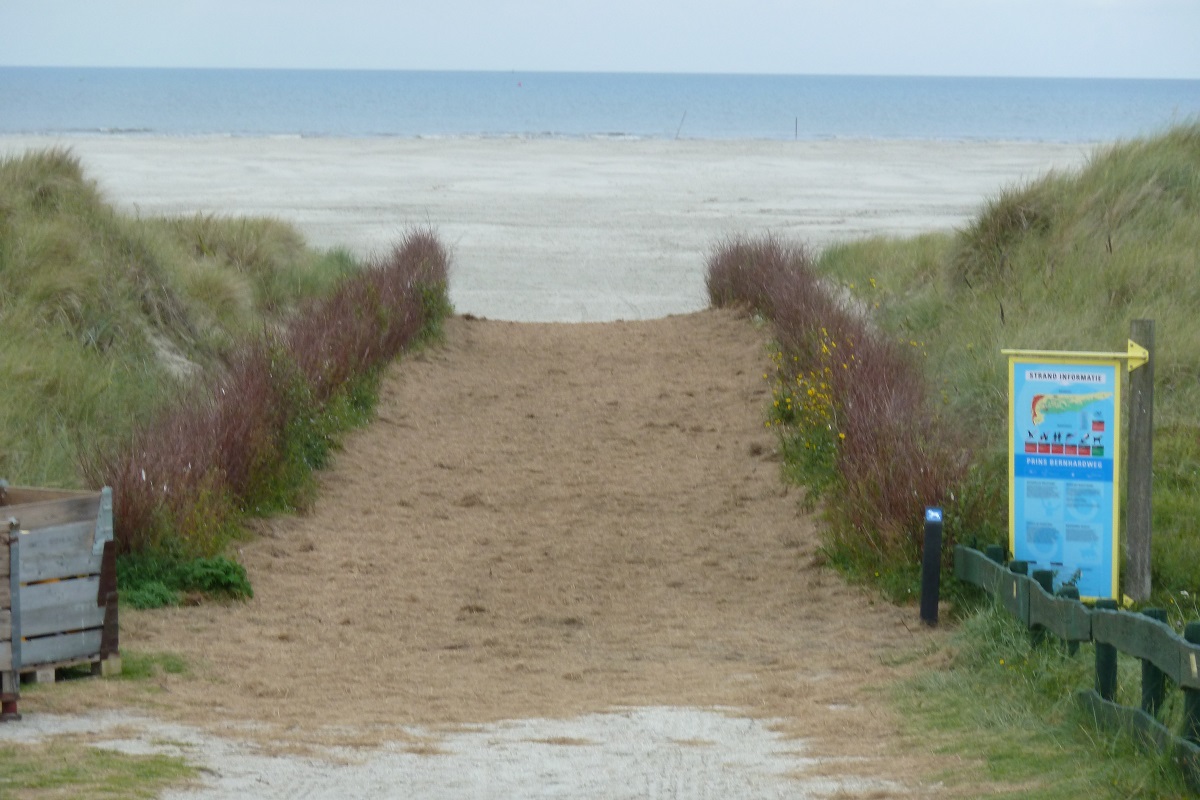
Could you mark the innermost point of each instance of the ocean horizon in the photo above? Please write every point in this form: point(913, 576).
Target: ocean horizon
point(415, 104)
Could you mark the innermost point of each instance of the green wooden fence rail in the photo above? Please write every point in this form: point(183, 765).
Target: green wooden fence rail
point(1164, 654)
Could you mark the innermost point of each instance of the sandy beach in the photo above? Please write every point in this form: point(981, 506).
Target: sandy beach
point(558, 229)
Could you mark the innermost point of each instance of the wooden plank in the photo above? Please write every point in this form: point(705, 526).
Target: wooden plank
point(3, 548)
point(1066, 618)
point(974, 567)
point(1142, 637)
point(1189, 665)
point(5, 593)
point(51, 649)
point(1150, 732)
point(58, 552)
point(5, 623)
point(25, 495)
point(1012, 590)
point(64, 509)
point(68, 605)
point(5, 656)
point(13, 587)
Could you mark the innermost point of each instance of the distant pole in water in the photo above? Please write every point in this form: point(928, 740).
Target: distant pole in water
point(677, 130)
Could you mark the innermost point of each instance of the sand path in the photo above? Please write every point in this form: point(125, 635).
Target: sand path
point(553, 521)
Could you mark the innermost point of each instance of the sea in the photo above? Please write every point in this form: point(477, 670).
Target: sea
point(347, 103)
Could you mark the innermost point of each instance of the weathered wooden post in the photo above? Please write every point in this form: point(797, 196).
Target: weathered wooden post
point(1106, 660)
point(1154, 686)
point(1191, 697)
point(1140, 464)
point(1071, 593)
point(10, 624)
point(1045, 579)
point(931, 566)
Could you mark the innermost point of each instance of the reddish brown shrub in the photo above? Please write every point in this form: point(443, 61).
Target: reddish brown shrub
point(243, 435)
point(895, 456)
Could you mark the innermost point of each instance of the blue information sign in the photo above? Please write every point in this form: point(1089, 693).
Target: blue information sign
point(1064, 458)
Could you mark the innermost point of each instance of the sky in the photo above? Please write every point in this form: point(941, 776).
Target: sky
point(1037, 38)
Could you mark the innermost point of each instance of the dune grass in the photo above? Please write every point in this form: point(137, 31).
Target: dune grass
point(1063, 262)
point(100, 313)
point(62, 769)
point(203, 367)
point(1007, 709)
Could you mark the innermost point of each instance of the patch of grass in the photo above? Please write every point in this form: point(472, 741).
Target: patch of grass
point(139, 666)
point(1010, 707)
point(157, 578)
point(58, 770)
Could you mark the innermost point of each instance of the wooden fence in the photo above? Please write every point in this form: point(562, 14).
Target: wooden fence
point(1165, 656)
point(58, 585)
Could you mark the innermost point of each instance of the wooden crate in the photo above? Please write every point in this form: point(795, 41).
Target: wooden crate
point(58, 583)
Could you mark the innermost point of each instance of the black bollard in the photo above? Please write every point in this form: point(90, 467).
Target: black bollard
point(931, 566)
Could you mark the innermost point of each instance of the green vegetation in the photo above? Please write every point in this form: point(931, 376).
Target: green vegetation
point(920, 417)
point(139, 666)
point(202, 367)
point(101, 312)
point(59, 769)
point(1012, 707)
point(1064, 262)
point(155, 578)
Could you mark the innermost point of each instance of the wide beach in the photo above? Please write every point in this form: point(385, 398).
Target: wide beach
point(546, 229)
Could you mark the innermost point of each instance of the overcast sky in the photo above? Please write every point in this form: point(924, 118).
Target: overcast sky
point(1072, 38)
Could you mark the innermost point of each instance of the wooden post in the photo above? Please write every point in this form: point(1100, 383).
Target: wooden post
point(1071, 593)
point(1191, 697)
point(1106, 660)
point(10, 680)
point(1154, 687)
point(1045, 579)
point(1140, 463)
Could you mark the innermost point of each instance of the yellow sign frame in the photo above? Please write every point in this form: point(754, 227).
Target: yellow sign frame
point(1135, 357)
